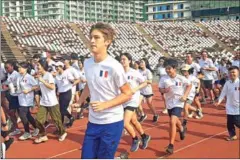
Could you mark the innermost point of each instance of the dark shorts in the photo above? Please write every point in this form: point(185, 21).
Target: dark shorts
point(77, 88)
point(37, 93)
point(130, 108)
point(13, 102)
point(197, 95)
point(175, 111)
point(147, 96)
point(101, 140)
point(208, 84)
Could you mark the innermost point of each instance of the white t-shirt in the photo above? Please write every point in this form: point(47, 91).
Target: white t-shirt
point(63, 81)
point(232, 91)
point(82, 77)
point(2, 72)
point(76, 75)
point(177, 88)
point(134, 79)
point(161, 71)
point(208, 75)
point(76, 66)
point(196, 68)
point(194, 81)
point(26, 82)
point(147, 75)
point(12, 78)
point(104, 80)
point(236, 63)
point(48, 97)
point(223, 69)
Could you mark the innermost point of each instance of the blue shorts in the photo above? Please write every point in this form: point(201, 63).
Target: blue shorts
point(101, 140)
point(175, 111)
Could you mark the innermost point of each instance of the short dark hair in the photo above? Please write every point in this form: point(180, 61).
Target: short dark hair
point(171, 62)
point(74, 56)
point(232, 68)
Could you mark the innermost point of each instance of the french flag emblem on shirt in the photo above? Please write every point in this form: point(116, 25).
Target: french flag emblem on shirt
point(103, 73)
point(178, 83)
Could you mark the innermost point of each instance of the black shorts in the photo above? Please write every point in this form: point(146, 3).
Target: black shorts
point(37, 93)
point(77, 88)
point(81, 91)
point(13, 102)
point(147, 96)
point(208, 84)
point(175, 111)
point(130, 108)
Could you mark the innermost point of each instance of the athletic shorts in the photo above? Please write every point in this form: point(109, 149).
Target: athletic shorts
point(13, 102)
point(130, 108)
point(101, 140)
point(208, 84)
point(175, 111)
point(147, 96)
point(77, 88)
point(37, 93)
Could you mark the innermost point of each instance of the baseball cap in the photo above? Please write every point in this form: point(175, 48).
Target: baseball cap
point(185, 67)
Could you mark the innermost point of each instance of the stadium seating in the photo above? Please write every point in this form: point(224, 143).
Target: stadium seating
point(178, 38)
point(225, 30)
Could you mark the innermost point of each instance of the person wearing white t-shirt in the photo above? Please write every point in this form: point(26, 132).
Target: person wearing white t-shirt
point(74, 73)
point(236, 61)
point(81, 86)
point(26, 84)
point(137, 82)
point(108, 88)
point(162, 73)
point(207, 68)
point(147, 91)
point(187, 72)
point(195, 66)
point(48, 103)
point(176, 89)
point(64, 80)
point(10, 86)
point(231, 91)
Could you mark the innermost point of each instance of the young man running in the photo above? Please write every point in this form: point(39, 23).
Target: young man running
point(231, 91)
point(176, 89)
point(108, 88)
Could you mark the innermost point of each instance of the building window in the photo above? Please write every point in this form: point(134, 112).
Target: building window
point(154, 9)
point(180, 6)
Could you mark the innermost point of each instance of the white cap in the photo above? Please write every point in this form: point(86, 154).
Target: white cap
point(59, 64)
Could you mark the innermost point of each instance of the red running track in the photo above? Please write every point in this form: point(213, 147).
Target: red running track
point(205, 138)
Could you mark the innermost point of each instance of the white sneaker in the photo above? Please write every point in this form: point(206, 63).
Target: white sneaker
point(41, 139)
point(35, 132)
point(25, 136)
point(190, 115)
point(62, 137)
point(165, 111)
point(14, 133)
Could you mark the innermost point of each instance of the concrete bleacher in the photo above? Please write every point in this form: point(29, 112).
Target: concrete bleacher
point(176, 38)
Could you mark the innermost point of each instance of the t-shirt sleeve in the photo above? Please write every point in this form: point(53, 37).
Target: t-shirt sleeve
point(185, 81)
point(33, 82)
point(51, 79)
point(149, 75)
point(198, 67)
point(140, 78)
point(211, 65)
point(119, 76)
point(161, 83)
point(75, 73)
